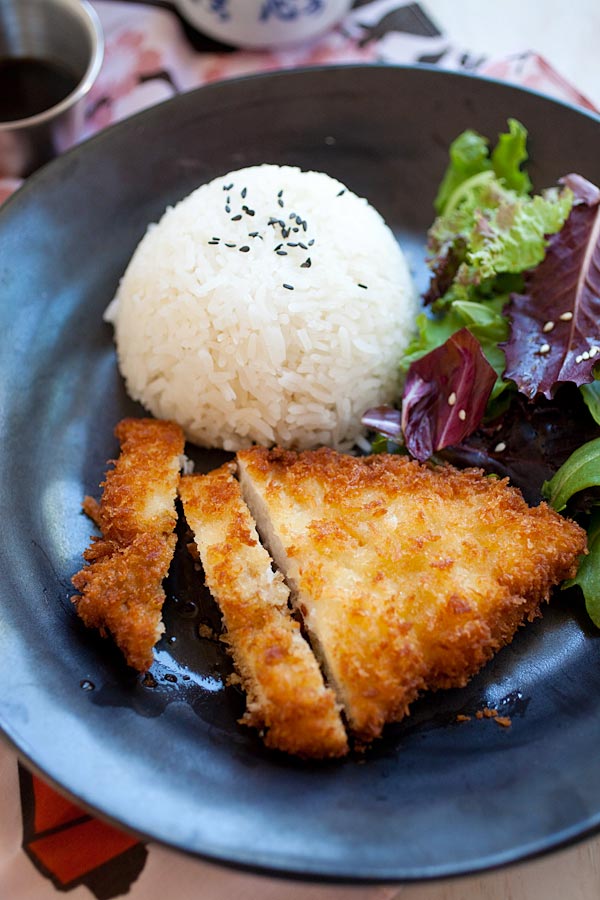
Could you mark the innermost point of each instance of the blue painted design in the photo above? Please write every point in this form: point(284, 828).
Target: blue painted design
point(289, 10)
point(220, 8)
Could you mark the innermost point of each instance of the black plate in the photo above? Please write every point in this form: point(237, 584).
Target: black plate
point(432, 798)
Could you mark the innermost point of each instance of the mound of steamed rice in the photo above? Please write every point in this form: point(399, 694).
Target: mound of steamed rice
point(270, 306)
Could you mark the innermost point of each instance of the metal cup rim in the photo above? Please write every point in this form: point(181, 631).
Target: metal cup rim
point(92, 22)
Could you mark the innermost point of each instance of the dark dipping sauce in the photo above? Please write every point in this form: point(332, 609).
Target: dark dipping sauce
point(30, 86)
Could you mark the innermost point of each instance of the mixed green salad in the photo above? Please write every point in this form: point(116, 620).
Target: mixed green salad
point(504, 371)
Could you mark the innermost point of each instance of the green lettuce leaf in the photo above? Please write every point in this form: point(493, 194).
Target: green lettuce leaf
point(591, 396)
point(588, 574)
point(432, 331)
point(509, 155)
point(494, 230)
point(579, 472)
point(488, 225)
point(489, 232)
point(484, 320)
point(470, 157)
point(448, 237)
point(512, 237)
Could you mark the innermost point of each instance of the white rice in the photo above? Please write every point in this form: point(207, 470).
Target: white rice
point(209, 336)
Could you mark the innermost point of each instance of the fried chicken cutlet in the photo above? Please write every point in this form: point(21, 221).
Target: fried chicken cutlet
point(408, 577)
point(120, 590)
point(286, 696)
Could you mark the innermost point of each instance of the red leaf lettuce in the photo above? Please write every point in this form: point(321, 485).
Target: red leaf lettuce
point(445, 395)
point(555, 323)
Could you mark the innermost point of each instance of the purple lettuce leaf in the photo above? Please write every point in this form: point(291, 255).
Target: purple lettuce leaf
point(555, 323)
point(444, 267)
point(445, 395)
point(384, 419)
point(529, 441)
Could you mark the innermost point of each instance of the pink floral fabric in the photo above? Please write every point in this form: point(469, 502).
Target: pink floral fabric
point(533, 71)
point(150, 57)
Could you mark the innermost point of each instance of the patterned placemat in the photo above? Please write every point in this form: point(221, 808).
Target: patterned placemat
point(47, 843)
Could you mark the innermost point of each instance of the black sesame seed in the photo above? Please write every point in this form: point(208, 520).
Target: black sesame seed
point(227, 209)
point(292, 244)
point(304, 225)
point(311, 242)
point(215, 238)
point(280, 201)
point(306, 264)
point(281, 252)
point(289, 287)
point(304, 247)
point(298, 220)
point(244, 192)
point(280, 193)
point(340, 193)
point(244, 249)
point(363, 286)
point(278, 247)
point(227, 187)
point(249, 212)
point(253, 234)
point(292, 215)
point(285, 233)
point(295, 228)
point(273, 221)
point(281, 222)
point(231, 245)
point(213, 243)
point(236, 218)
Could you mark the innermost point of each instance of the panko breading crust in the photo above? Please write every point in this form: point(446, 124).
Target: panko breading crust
point(120, 590)
point(286, 696)
point(408, 577)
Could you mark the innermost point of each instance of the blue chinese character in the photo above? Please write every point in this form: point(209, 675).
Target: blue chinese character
point(220, 8)
point(287, 10)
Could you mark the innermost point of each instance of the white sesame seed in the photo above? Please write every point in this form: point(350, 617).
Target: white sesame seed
point(585, 355)
point(452, 399)
point(545, 348)
point(594, 351)
point(548, 327)
point(578, 359)
point(500, 447)
point(462, 415)
point(566, 316)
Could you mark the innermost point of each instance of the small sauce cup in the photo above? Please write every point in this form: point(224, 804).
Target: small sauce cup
point(50, 54)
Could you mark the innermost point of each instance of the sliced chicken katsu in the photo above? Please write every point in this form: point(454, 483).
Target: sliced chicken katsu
point(286, 696)
point(408, 577)
point(120, 590)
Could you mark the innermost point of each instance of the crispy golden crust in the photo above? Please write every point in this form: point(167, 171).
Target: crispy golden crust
point(408, 577)
point(121, 594)
point(139, 492)
point(286, 696)
point(120, 590)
